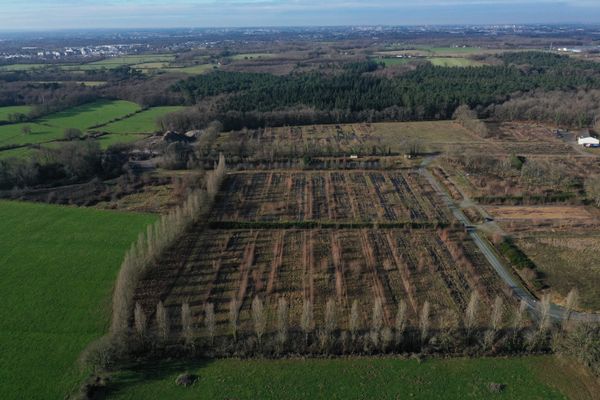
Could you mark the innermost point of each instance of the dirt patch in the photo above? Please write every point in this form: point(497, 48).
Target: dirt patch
point(539, 212)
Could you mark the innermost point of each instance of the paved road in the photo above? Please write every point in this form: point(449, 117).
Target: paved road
point(556, 312)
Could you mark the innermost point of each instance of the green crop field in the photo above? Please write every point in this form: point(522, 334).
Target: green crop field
point(143, 122)
point(358, 378)
point(58, 265)
point(6, 111)
point(52, 126)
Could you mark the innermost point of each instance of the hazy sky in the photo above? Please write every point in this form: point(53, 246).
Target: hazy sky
point(62, 14)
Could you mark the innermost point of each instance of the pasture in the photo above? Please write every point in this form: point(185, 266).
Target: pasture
point(5, 112)
point(52, 127)
point(358, 378)
point(58, 265)
point(143, 122)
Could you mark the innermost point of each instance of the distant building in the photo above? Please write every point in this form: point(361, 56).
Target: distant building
point(586, 139)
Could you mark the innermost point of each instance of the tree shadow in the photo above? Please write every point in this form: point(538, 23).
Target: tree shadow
point(149, 371)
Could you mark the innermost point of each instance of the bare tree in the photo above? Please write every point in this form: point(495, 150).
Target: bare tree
point(260, 318)
point(544, 322)
point(570, 305)
point(307, 319)
point(187, 324)
point(376, 321)
point(401, 321)
point(234, 314)
point(354, 322)
point(330, 325)
point(210, 321)
point(424, 321)
point(471, 312)
point(497, 313)
point(139, 320)
point(282, 320)
point(162, 321)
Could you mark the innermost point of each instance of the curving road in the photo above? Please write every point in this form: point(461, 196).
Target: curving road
point(556, 312)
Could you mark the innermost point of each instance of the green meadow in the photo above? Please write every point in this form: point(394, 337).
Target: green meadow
point(52, 127)
point(58, 266)
point(6, 111)
point(354, 378)
point(143, 122)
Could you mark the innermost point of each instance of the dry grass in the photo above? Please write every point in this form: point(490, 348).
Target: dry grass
point(539, 212)
point(567, 262)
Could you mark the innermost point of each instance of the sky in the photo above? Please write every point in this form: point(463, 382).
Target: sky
point(77, 14)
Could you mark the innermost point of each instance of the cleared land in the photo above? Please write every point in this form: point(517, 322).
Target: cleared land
point(143, 122)
point(567, 262)
point(58, 265)
point(524, 378)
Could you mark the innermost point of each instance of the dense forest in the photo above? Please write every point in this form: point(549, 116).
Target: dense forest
point(355, 93)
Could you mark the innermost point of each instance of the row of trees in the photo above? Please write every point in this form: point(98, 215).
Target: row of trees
point(158, 237)
point(488, 330)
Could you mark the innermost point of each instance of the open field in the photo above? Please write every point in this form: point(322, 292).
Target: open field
point(359, 378)
point(6, 111)
point(143, 122)
point(397, 197)
point(567, 262)
point(58, 266)
point(453, 62)
point(52, 127)
point(363, 138)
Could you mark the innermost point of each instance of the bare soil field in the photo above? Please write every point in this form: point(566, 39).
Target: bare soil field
point(341, 196)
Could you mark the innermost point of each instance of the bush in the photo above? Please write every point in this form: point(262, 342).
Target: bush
point(515, 255)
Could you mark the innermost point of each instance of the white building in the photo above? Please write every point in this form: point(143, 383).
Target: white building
point(586, 139)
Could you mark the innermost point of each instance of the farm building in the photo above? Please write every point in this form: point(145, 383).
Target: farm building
point(586, 139)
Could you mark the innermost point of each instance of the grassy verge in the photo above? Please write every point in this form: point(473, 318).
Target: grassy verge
point(58, 266)
point(353, 378)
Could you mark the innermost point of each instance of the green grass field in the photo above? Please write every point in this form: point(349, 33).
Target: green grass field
point(143, 122)
point(359, 378)
point(52, 126)
point(58, 265)
point(6, 111)
point(394, 61)
point(453, 62)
